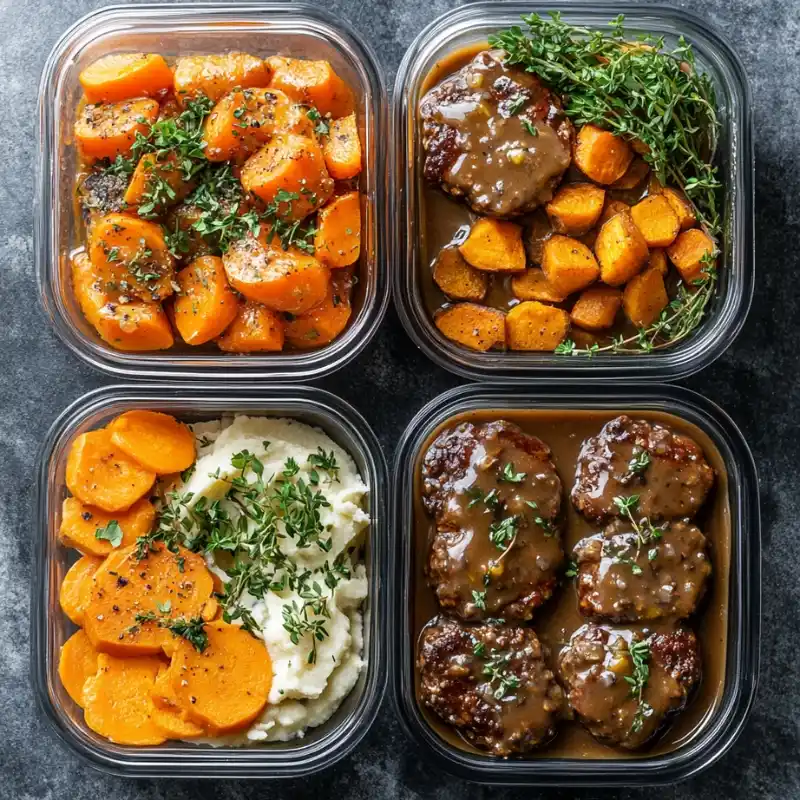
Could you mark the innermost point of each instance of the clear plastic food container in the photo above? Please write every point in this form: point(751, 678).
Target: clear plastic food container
point(472, 24)
point(321, 746)
point(293, 29)
point(718, 725)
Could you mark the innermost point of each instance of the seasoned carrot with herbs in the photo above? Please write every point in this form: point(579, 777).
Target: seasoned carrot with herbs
point(99, 474)
point(314, 83)
point(338, 238)
point(157, 441)
point(533, 285)
point(156, 183)
point(215, 75)
point(122, 76)
point(168, 716)
point(205, 305)
point(109, 130)
point(77, 662)
point(96, 532)
point(74, 592)
point(342, 148)
point(323, 323)
point(601, 156)
point(289, 164)
point(255, 329)
point(596, 308)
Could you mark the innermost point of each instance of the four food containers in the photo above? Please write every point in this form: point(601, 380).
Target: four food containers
point(394, 233)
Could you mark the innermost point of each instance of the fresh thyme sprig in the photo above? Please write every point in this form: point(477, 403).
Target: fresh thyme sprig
point(193, 630)
point(501, 679)
point(640, 657)
point(646, 533)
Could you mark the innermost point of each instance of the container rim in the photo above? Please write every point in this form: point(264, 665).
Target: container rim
point(722, 728)
point(724, 320)
point(169, 365)
point(292, 761)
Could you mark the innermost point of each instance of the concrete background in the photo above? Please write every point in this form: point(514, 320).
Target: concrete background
point(756, 382)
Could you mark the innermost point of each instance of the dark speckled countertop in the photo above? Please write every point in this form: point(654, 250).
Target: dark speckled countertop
point(757, 382)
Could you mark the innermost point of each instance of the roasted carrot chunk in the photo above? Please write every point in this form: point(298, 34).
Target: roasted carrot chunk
point(634, 175)
point(612, 208)
point(314, 83)
point(596, 308)
point(283, 280)
point(156, 183)
point(681, 206)
point(131, 257)
point(289, 164)
point(81, 523)
point(533, 285)
point(575, 208)
point(568, 264)
point(215, 75)
point(117, 702)
point(477, 327)
point(656, 220)
point(122, 76)
point(620, 249)
point(338, 239)
point(77, 662)
point(208, 684)
point(645, 298)
point(255, 329)
point(458, 279)
point(74, 592)
point(157, 441)
point(342, 148)
point(323, 323)
point(689, 252)
point(163, 584)
point(601, 156)
point(535, 326)
point(658, 260)
point(106, 131)
point(206, 305)
point(100, 474)
point(495, 246)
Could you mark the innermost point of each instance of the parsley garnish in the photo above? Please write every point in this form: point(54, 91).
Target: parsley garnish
point(510, 476)
point(479, 598)
point(111, 533)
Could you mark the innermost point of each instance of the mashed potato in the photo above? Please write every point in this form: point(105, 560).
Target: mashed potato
point(313, 580)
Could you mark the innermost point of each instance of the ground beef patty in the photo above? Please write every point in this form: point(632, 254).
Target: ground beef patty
point(640, 575)
point(666, 470)
point(491, 682)
point(495, 136)
point(495, 544)
point(596, 665)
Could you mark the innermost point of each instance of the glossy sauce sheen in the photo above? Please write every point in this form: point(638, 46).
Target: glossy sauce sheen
point(564, 431)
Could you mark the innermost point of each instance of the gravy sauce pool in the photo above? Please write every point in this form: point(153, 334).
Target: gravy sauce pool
point(564, 431)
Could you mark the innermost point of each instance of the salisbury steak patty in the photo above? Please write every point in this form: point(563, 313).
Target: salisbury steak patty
point(599, 670)
point(491, 682)
point(495, 495)
point(641, 574)
point(495, 136)
point(666, 470)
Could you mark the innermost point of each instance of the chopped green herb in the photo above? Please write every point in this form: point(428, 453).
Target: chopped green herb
point(111, 533)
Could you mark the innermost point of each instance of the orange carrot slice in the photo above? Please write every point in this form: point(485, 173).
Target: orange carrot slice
point(255, 329)
point(121, 76)
point(206, 305)
point(338, 238)
point(106, 131)
point(323, 323)
point(342, 148)
point(73, 594)
point(80, 524)
point(157, 441)
point(314, 83)
point(76, 663)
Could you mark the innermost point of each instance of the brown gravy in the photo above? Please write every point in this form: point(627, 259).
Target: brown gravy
point(564, 431)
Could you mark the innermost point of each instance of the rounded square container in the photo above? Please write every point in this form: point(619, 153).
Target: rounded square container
point(322, 746)
point(472, 24)
point(720, 726)
point(293, 29)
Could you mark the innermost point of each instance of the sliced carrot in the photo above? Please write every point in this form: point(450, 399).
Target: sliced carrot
point(283, 280)
point(131, 257)
point(99, 474)
point(80, 524)
point(323, 323)
point(255, 329)
point(73, 594)
point(158, 182)
point(168, 717)
point(106, 131)
point(77, 662)
point(205, 305)
point(293, 164)
point(156, 441)
point(163, 584)
point(314, 83)
point(215, 75)
point(117, 702)
point(209, 684)
point(122, 76)
point(338, 238)
point(342, 148)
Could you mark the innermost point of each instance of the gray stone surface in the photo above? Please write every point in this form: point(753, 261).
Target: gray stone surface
point(756, 382)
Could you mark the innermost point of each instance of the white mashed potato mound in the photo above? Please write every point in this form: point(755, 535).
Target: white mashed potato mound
point(303, 694)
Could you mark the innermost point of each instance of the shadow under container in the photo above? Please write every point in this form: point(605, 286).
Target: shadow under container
point(298, 30)
point(412, 280)
point(322, 746)
point(717, 726)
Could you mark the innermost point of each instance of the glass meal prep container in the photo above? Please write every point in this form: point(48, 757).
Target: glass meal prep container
point(292, 29)
point(50, 628)
point(703, 733)
point(412, 279)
